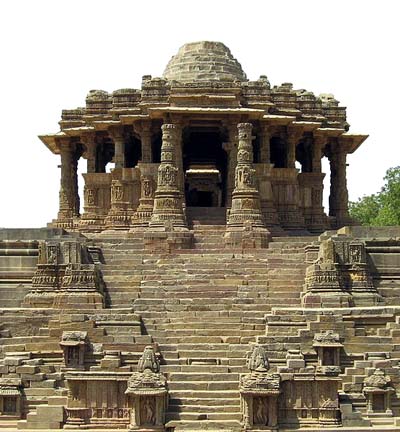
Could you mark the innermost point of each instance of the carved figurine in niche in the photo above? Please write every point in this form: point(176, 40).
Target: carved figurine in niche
point(147, 187)
point(148, 411)
point(260, 412)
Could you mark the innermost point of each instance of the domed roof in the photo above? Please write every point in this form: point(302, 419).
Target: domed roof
point(204, 61)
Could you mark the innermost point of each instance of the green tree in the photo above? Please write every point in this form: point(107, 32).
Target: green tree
point(382, 208)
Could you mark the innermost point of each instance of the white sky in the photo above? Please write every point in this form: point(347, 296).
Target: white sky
point(53, 52)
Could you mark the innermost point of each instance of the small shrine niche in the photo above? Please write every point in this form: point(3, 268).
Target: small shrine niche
point(10, 398)
point(73, 344)
point(378, 392)
point(328, 346)
point(148, 393)
point(259, 392)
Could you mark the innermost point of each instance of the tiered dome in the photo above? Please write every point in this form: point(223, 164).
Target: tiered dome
point(204, 61)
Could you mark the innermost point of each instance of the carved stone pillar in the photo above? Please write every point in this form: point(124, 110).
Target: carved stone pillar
point(167, 227)
point(265, 150)
point(179, 162)
point(67, 205)
point(231, 150)
point(168, 206)
point(119, 147)
point(145, 135)
point(89, 141)
point(311, 186)
point(268, 209)
point(318, 144)
point(339, 197)
point(292, 141)
point(245, 222)
point(148, 182)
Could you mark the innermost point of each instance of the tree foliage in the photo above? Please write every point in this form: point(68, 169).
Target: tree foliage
point(382, 208)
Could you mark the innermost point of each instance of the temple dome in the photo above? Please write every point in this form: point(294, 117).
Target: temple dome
point(204, 61)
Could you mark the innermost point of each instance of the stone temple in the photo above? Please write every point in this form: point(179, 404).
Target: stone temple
point(202, 286)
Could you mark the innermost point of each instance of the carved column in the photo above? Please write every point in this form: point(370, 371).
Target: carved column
point(89, 141)
point(167, 228)
point(318, 144)
point(67, 204)
point(338, 199)
point(292, 141)
point(265, 150)
point(145, 135)
point(168, 206)
point(75, 187)
point(285, 184)
point(312, 188)
point(231, 150)
point(179, 161)
point(119, 147)
point(264, 170)
point(148, 176)
point(245, 221)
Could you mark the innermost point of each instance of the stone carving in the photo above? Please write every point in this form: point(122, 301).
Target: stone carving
point(259, 391)
point(378, 392)
point(10, 398)
point(340, 276)
point(73, 344)
point(168, 200)
point(328, 346)
point(377, 381)
point(65, 273)
point(147, 391)
point(168, 204)
point(327, 338)
point(149, 361)
point(258, 361)
point(246, 205)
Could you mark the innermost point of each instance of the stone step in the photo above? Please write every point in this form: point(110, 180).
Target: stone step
point(203, 402)
point(207, 377)
point(209, 425)
point(204, 416)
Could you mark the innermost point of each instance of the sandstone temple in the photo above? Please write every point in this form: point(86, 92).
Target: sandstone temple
point(199, 283)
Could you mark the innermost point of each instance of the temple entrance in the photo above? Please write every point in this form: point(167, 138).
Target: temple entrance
point(205, 166)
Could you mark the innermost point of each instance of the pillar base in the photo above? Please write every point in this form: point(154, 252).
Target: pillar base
point(167, 239)
point(64, 300)
point(328, 299)
point(247, 237)
point(146, 428)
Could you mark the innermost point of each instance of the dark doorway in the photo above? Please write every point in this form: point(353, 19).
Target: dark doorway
point(205, 166)
point(278, 152)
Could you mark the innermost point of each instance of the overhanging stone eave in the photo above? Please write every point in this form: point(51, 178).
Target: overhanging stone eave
point(132, 118)
point(353, 140)
point(307, 126)
point(50, 141)
point(77, 131)
point(277, 119)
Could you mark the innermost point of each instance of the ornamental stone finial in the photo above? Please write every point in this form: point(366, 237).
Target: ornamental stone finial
point(149, 361)
point(258, 361)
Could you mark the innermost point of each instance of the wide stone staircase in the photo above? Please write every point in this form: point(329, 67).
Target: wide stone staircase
point(203, 307)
